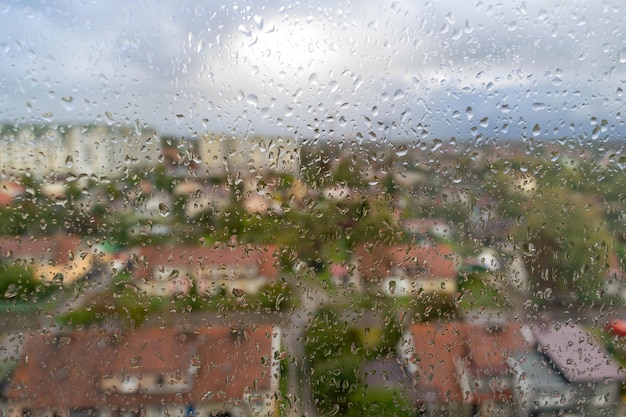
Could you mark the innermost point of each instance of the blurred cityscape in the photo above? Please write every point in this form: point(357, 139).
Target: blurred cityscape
point(150, 275)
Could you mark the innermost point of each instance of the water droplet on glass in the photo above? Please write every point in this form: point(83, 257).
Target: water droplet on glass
point(398, 95)
point(539, 106)
point(245, 30)
point(68, 103)
point(622, 56)
point(69, 162)
point(200, 46)
point(529, 249)
point(258, 21)
point(536, 130)
point(469, 112)
point(135, 361)
point(252, 100)
point(542, 15)
point(402, 150)
point(164, 210)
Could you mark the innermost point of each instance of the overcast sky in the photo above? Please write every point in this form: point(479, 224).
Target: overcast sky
point(363, 69)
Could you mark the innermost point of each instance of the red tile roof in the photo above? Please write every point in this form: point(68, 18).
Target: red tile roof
point(491, 345)
point(428, 262)
point(437, 347)
point(64, 372)
point(482, 351)
point(57, 248)
point(264, 258)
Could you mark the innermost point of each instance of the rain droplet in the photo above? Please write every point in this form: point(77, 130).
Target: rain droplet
point(398, 95)
point(536, 130)
point(469, 112)
point(164, 210)
point(68, 103)
point(135, 361)
point(484, 122)
point(504, 108)
point(11, 291)
point(252, 100)
point(542, 15)
point(69, 162)
point(622, 56)
point(529, 249)
point(258, 21)
point(245, 30)
point(200, 46)
point(539, 106)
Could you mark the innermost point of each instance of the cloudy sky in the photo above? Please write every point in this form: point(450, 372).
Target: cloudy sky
point(370, 70)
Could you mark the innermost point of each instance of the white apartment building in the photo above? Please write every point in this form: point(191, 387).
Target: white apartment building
point(92, 149)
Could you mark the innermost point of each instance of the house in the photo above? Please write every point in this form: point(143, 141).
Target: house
point(405, 270)
point(435, 355)
point(151, 372)
point(489, 346)
point(50, 257)
point(10, 191)
point(462, 368)
point(345, 275)
point(167, 270)
point(568, 373)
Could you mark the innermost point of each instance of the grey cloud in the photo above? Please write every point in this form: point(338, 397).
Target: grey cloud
point(388, 68)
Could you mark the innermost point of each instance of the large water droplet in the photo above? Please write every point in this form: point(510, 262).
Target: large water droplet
point(258, 21)
point(536, 130)
point(252, 100)
point(539, 106)
point(68, 103)
point(469, 112)
point(135, 361)
point(402, 150)
point(109, 117)
point(399, 94)
point(164, 210)
point(245, 30)
point(529, 249)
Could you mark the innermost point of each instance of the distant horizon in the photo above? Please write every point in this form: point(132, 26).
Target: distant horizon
point(467, 139)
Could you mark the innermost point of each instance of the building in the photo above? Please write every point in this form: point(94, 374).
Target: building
point(55, 258)
point(435, 354)
point(150, 372)
point(406, 270)
point(222, 155)
point(98, 150)
point(462, 369)
point(569, 373)
point(167, 270)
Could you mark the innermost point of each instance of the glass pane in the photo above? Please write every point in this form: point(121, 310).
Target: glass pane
point(280, 209)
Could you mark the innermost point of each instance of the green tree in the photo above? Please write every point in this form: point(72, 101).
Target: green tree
point(566, 246)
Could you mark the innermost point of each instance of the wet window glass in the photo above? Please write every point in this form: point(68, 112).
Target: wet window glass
point(254, 208)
